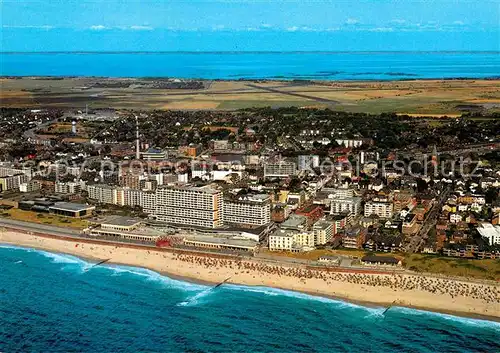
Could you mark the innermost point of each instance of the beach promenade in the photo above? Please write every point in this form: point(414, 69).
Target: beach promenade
point(431, 293)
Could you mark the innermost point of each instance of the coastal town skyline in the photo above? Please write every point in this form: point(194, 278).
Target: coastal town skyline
point(249, 176)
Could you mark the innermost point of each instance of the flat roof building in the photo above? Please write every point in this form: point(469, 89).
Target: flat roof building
point(380, 260)
point(350, 205)
point(248, 210)
point(323, 232)
point(282, 169)
point(69, 209)
point(218, 242)
point(126, 228)
point(194, 206)
point(121, 223)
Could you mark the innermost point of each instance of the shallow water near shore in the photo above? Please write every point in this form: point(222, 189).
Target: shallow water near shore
point(60, 303)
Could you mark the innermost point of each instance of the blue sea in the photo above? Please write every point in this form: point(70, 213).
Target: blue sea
point(56, 303)
point(257, 65)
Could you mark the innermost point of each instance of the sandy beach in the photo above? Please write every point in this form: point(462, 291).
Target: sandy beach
point(429, 293)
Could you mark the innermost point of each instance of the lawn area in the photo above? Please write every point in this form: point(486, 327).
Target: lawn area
point(315, 254)
point(44, 218)
point(481, 269)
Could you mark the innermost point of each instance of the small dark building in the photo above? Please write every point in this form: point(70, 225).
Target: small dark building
point(380, 260)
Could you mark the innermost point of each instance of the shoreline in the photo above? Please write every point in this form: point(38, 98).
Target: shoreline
point(366, 304)
point(179, 270)
point(242, 79)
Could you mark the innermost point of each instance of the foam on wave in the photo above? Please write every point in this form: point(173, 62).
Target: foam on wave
point(458, 319)
point(203, 291)
point(152, 276)
point(196, 299)
point(303, 296)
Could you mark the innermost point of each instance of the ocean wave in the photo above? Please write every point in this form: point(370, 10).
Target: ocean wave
point(152, 276)
point(303, 296)
point(84, 266)
point(55, 257)
point(457, 319)
point(196, 299)
point(63, 258)
point(15, 247)
point(203, 291)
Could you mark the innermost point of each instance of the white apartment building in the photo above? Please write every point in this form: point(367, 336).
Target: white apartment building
point(123, 197)
point(382, 209)
point(67, 188)
point(148, 201)
point(7, 170)
point(137, 198)
point(282, 169)
point(323, 232)
point(339, 193)
point(105, 194)
point(307, 162)
point(12, 182)
point(250, 210)
point(303, 239)
point(132, 197)
point(281, 240)
point(350, 205)
point(162, 179)
point(183, 178)
point(286, 240)
point(194, 206)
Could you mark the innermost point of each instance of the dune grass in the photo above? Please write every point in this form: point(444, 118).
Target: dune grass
point(480, 269)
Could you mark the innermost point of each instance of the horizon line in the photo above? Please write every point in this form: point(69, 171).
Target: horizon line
point(256, 52)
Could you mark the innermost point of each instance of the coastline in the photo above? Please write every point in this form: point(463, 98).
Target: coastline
point(248, 79)
point(367, 304)
point(175, 266)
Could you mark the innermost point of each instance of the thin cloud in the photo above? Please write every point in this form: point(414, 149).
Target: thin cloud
point(352, 21)
point(141, 28)
point(381, 29)
point(98, 28)
point(29, 26)
point(124, 28)
point(261, 27)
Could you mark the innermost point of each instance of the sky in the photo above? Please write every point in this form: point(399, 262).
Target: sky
point(252, 25)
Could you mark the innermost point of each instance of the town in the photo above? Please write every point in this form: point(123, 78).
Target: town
point(323, 187)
